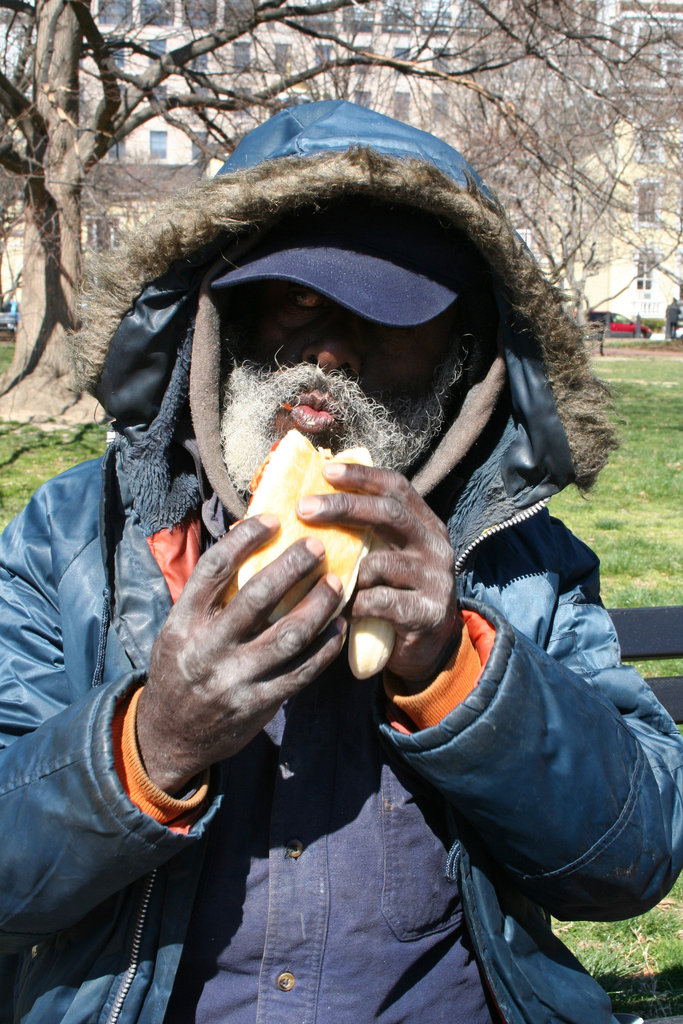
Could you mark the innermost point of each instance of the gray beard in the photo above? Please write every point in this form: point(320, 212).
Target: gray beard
point(398, 430)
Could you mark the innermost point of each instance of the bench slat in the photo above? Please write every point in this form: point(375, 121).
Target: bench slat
point(649, 632)
point(669, 692)
point(646, 633)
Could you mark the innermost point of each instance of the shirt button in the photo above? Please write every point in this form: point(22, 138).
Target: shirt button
point(285, 982)
point(294, 848)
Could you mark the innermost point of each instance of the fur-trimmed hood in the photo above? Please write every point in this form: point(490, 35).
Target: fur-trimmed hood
point(142, 301)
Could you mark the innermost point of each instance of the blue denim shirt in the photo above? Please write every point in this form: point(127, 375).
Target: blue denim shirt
point(310, 905)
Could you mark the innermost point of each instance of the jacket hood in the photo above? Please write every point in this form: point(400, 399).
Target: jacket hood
point(143, 301)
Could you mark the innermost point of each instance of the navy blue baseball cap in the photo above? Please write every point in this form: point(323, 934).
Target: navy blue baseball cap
point(392, 265)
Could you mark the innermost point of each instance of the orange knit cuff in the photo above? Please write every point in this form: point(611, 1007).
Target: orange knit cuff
point(451, 686)
point(134, 779)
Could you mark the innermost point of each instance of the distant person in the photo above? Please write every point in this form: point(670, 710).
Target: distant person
point(672, 314)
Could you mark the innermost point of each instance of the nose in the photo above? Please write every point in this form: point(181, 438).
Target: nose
point(338, 344)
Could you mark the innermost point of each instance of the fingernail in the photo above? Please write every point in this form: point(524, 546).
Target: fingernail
point(333, 580)
point(308, 504)
point(334, 470)
point(269, 520)
point(315, 546)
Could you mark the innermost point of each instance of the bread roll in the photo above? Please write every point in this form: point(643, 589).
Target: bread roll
point(293, 469)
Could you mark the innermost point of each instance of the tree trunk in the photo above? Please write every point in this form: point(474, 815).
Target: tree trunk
point(47, 294)
point(37, 383)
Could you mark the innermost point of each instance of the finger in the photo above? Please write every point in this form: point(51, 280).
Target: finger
point(307, 666)
point(389, 567)
point(206, 586)
point(350, 476)
point(405, 569)
point(290, 636)
point(389, 518)
point(406, 610)
point(255, 602)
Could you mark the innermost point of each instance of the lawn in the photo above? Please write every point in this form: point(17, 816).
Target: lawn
point(633, 519)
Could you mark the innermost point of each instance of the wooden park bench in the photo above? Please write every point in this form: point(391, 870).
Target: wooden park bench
point(654, 633)
point(651, 634)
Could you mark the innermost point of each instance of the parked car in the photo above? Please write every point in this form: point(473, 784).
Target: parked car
point(9, 317)
point(616, 325)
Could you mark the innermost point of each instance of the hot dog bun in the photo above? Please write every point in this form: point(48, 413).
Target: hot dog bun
point(293, 469)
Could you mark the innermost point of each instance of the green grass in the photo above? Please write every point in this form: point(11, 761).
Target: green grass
point(29, 456)
point(638, 962)
point(632, 519)
point(6, 351)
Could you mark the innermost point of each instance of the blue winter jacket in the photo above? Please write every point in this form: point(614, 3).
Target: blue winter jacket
point(561, 773)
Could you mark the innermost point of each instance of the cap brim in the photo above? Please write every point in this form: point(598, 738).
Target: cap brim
point(374, 288)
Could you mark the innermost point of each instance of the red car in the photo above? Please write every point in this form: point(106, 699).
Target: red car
point(618, 326)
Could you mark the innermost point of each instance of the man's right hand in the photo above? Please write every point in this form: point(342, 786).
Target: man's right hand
point(218, 674)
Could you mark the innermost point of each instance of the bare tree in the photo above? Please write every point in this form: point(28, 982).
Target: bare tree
point(66, 102)
point(10, 223)
point(532, 90)
point(584, 131)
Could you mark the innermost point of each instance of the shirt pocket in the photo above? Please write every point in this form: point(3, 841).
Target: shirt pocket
point(418, 898)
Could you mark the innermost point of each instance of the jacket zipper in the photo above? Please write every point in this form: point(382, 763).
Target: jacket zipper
point(454, 856)
point(134, 954)
point(519, 517)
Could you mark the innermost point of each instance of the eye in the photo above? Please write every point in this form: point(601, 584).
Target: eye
point(306, 298)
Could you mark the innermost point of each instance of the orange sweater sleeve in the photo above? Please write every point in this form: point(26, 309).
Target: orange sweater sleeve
point(166, 809)
point(453, 683)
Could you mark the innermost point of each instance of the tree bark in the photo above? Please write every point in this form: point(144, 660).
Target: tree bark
point(52, 210)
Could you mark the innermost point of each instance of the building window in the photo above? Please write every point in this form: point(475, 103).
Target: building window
point(117, 151)
point(402, 106)
point(322, 53)
point(319, 22)
point(439, 107)
point(358, 19)
point(649, 148)
point(158, 145)
point(157, 47)
point(647, 203)
point(115, 12)
point(101, 233)
point(469, 16)
point(241, 56)
point(199, 14)
point(647, 261)
point(200, 63)
point(393, 18)
point(199, 142)
point(156, 12)
point(436, 16)
point(362, 97)
point(282, 58)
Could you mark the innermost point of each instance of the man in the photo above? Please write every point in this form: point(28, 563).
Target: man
point(672, 313)
point(210, 819)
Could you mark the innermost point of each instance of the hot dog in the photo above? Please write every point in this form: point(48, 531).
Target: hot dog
point(294, 468)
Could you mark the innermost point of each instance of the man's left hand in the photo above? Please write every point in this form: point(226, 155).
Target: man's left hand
point(411, 581)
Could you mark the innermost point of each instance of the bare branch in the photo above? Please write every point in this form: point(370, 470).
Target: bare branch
point(22, 112)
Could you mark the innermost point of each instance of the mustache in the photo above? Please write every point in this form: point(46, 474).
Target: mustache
point(339, 390)
point(398, 428)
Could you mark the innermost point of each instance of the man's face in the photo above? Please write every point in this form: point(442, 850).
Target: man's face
point(294, 324)
point(341, 380)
